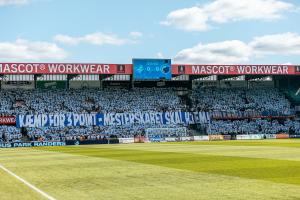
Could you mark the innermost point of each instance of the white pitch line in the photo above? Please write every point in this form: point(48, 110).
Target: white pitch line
point(28, 184)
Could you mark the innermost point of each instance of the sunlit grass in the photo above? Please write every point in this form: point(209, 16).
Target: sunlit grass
point(187, 170)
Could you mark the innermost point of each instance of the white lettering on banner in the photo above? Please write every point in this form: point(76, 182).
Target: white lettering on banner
point(21, 121)
point(61, 120)
point(131, 118)
point(78, 69)
point(240, 69)
point(167, 118)
point(126, 118)
point(30, 121)
point(19, 68)
point(202, 117)
point(111, 119)
point(44, 120)
point(84, 69)
point(51, 120)
point(55, 68)
point(37, 120)
point(152, 119)
point(155, 118)
point(172, 118)
point(285, 69)
point(177, 118)
point(8, 120)
point(118, 119)
point(262, 69)
point(159, 118)
point(5, 145)
point(147, 118)
point(76, 118)
point(138, 118)
point(107, 119)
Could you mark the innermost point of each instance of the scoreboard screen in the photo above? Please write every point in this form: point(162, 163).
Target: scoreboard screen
point(152, 69)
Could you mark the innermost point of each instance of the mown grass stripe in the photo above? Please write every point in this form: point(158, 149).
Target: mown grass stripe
point(278, 171)
point(267, 152)
point(261, 143)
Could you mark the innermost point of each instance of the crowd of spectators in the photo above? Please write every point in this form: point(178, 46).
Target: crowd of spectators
point(10, 134)
point(238, 100)
point(15, 102)
point(91, 100)
point(244, 102)
point(263, 100)
point(255, 126)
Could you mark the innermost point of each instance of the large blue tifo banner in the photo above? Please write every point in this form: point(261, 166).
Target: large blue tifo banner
point(111, 119)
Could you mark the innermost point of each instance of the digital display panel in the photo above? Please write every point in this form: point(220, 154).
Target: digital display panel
point(152, 69)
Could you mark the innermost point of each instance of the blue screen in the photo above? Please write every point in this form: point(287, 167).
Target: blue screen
point(152, 69)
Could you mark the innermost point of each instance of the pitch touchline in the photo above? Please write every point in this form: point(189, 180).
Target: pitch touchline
point(28, 184)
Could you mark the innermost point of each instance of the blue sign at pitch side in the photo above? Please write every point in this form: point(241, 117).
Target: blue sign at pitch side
point(152, 69)
point(31, 144)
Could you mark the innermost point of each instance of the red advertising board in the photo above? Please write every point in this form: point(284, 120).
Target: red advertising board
point(177, 69)
point(64, 68)
point(8, 120)
point(233, 69)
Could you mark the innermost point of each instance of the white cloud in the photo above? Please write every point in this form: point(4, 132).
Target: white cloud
point(189, 19)
point(235, 51)
point(13, 2)
point(280, 44)
point(66, 39)
point(136, 34)
point(101, 39)
point(30, 50)
point(221, 11)
point(160, 55)
point(98, 38)
point(199, 18)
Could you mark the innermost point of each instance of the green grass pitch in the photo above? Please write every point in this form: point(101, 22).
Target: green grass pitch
point(266, 169)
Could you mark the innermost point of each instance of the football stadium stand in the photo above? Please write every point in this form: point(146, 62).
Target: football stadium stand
point(44, 107)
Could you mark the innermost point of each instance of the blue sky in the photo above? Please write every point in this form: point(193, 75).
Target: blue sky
point(115, 31)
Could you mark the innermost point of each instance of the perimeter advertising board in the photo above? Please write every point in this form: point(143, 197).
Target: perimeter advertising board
point(31, 144)
point(147, 69)
point(64, 68)
point(233, 69)
point(7, 120)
